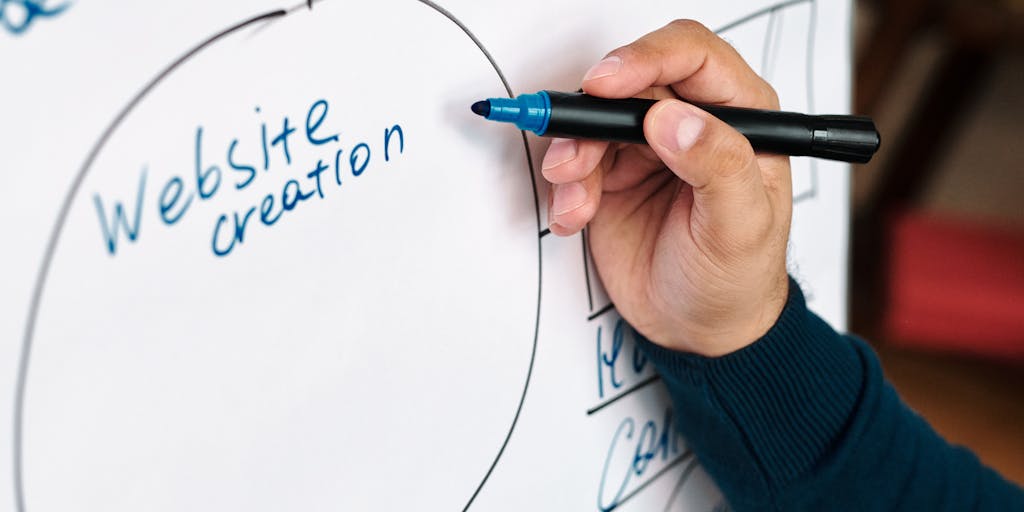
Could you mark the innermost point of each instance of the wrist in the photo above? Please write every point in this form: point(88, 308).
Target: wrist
point(714, 335)
point(800, 356)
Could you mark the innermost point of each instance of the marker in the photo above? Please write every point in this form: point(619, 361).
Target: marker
point(580, 116)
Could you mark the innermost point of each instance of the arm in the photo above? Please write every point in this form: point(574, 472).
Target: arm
point(803, 419)
point(689, 236)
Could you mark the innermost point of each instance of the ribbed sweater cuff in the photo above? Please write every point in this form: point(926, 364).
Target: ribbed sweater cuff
point(788, 395)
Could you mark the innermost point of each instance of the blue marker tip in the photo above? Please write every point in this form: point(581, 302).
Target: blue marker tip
point(528, 111)
point(482, 108)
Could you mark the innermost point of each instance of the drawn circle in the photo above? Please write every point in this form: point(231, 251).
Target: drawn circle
point(190, 251)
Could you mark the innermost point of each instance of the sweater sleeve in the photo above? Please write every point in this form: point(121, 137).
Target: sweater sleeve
point(803, 419)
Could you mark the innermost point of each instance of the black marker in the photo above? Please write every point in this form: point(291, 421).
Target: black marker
point(580, 116)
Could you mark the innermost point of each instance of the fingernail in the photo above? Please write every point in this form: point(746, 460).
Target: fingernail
point(607, 67)
point(677, 127)
point(559, 152)
point(568, 197)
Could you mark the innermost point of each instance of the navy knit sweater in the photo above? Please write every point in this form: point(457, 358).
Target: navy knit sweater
point(803, 419)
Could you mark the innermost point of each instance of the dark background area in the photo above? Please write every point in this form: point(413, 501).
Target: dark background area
point(937, 276)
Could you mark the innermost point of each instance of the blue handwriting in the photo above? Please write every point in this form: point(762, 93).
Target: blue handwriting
point(18, 15)
point(611, 364)
point(210, 177)
point(652, 442)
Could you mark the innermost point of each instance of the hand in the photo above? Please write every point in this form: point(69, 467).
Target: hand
point(688, 234)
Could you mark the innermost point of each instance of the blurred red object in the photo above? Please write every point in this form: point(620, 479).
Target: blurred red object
point(955, 286)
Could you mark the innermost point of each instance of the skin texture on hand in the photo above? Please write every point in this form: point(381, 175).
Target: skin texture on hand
point(688, 234)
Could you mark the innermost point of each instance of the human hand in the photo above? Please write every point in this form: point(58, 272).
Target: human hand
point(689, 233)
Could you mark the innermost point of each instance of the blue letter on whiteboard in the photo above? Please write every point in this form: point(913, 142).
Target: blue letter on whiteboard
point(110, 228)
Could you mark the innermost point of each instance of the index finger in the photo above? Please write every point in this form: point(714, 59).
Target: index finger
point(684, 55)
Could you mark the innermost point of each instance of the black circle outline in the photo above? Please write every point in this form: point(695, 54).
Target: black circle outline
point(76, 184)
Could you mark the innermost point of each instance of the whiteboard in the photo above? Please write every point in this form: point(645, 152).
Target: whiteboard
point(261, 256)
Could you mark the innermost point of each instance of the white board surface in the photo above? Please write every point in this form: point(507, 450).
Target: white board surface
point(261, 256)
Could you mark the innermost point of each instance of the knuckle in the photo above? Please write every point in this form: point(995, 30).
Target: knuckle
point(565, 172)
point(771, 98)
point(578, 218)
point(624, 52)
point(687, 26)
point(731, 156)
point(641, 50)
point(744, 237)
point(773, 183)
point(776, 176)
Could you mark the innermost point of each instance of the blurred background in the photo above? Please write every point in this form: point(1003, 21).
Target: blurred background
point(937, 278)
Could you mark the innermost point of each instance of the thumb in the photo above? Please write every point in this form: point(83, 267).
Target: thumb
point(730, 200)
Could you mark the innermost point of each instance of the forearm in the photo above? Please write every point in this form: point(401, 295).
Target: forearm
point(803, 419)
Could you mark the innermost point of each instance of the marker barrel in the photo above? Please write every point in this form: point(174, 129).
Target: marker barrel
point(846, 138)
point(579, 116)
